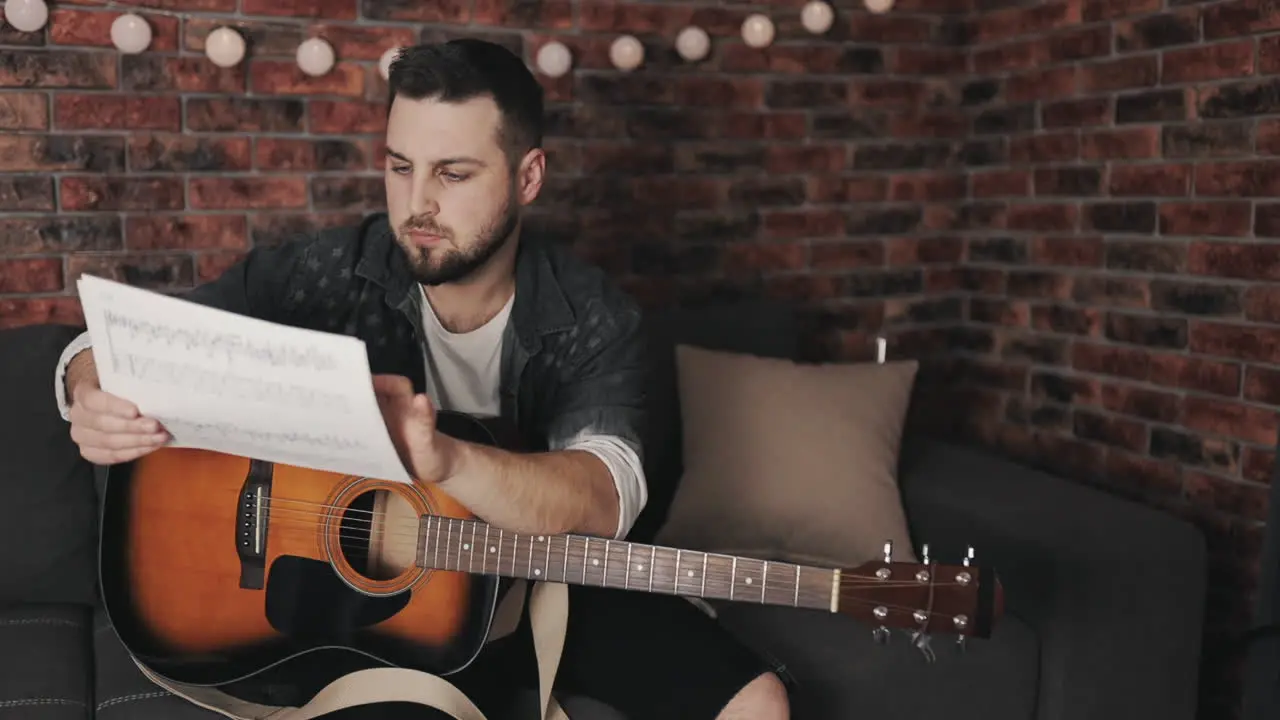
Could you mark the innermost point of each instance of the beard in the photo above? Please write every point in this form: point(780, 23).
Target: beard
point(441, 265)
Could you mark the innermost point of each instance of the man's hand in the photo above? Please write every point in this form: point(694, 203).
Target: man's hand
point(428, 454)
point(108, 429)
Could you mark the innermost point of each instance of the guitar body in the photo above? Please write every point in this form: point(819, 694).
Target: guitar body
point(216, 568)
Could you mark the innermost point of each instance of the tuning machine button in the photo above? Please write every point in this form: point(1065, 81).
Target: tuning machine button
point(881, 635)
point(888, 551)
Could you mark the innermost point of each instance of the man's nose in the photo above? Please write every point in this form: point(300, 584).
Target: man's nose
point(423, 202)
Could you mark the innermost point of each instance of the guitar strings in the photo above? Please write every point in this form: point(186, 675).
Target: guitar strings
point(408, 537)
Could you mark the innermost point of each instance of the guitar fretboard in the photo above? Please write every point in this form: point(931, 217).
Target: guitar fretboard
point(475, 547)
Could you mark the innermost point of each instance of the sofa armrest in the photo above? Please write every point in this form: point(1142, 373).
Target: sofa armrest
point(1114, 590)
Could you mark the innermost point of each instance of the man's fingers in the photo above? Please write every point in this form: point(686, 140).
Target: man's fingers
point(100, 401)
point(392, 385)
point(99, 456)
point(87, 437)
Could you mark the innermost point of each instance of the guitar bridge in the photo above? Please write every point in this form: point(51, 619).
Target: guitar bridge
point(251, 525)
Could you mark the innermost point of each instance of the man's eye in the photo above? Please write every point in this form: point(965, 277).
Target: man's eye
point(454, 177)
point(401, 169)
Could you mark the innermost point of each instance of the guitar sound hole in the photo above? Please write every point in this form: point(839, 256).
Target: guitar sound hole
point(379, 533)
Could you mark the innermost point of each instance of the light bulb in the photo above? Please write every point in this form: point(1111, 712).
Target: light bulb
point(224, 47)
point(817, 17)
point(130, 34)
point(693, 43)
point(626, 53)
point(878, 6)
point(384, 63)
point(26, 15)
point(757, 30)
point(315, 56)
point(554, 59)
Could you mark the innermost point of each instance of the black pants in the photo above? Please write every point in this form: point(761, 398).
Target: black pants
point(651, 657)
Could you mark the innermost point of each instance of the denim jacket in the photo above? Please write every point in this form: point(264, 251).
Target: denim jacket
point(573, 358)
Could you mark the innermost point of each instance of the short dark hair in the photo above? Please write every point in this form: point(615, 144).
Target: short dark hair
point(462, 69)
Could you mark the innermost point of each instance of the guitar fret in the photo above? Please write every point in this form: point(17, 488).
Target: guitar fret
point(796, 598)
point(703, 591)
point(626, 579)
point(733, 577)
point(604, 576)
point(764, 580)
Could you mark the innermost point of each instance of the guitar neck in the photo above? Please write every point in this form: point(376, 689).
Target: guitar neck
point(475, 547)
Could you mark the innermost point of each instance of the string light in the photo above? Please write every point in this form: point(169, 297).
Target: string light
point(26, 15)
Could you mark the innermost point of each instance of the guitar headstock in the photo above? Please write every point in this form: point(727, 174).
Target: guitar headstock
point(926, 598)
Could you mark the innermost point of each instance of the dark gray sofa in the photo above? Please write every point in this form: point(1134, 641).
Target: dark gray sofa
point(1104, 598)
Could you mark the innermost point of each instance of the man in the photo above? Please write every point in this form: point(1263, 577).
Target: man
point(462, 311)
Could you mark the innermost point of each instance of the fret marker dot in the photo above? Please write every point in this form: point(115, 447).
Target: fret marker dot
point(493, 549)
point(537, 571)
point(748, 581)
point(640, 567)
point(466, 546)
point(690, 573)
point(539, 538)
point(594, 561)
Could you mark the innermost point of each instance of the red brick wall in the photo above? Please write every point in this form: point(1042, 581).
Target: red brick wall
point(1062, 205)
point(1123, 271)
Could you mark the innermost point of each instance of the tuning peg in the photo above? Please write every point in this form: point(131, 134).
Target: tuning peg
point(968, 558)
point(888, 551)
point(881, 635)
point(924, 643)
point(925, 554)
point(961, 646)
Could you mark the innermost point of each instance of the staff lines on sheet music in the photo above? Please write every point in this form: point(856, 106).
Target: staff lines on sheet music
point(225, 384)
point(228, 345)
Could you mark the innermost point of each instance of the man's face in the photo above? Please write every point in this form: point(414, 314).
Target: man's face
point(452, 197)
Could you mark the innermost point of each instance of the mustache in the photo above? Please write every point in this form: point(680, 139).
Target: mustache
point(424, 226)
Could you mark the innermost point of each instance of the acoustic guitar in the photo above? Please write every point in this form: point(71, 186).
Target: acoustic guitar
point(216, 568)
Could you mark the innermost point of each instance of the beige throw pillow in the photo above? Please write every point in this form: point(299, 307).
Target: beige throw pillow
point(789, 461)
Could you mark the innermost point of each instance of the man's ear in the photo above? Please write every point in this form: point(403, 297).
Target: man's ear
point(529, 175)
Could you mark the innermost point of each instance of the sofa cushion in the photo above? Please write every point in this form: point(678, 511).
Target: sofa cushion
point(47, 500)
point(836, 670)
point(790, 461)
point(45, 670)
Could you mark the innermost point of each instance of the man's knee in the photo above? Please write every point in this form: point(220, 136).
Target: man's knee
point(764, 698)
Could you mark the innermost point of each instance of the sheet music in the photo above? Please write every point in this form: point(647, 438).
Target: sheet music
point(225, 382)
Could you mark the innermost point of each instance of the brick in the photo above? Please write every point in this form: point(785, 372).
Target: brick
point(229, 193)
point(1136, 143)
point(58, 69)
point(1210, 62)
point(1235, 260)
point(278, 77)
point(1268, 55)
point(781, 159)
point(347, 118)
point(1204, 140)
point(1094, 10)
point(1020, 55)
point(1107, 290)
point(892, 29)
point(1042, 218)
point(1109, 430)
point(81, 193)
point(1137, 217)
point(1078, 44)
point(1151, 106)
point(999, 183)
point(1002, 121)
point(1146, 256)
point(1122, 74)
point(1241, 99)
point(557, 14)
point(794, 94)
point(25, 193)
point(1162, 332)
point(1239, 499)
point(742, 93)
point(1150, 180)
point(908, 60)
point(1223, 219)
point(715, 227)
point(59, 234)
point(927, 188)
point(1042, 84)
point(327, 9)
point(268, 38)
point(286, 154)
point(1266, 220)
point(1068, 181)
point(1239, 179)
point(767, 192)
point(446, 11)
point(1030, 20)
point(845, 126)
point(1158, 31)
point(1067, 320)
point(1192, 449)
point(24, 111)
point(158, 73)
point(882, 221)
point(48, 153)
point(1257, 465)
point(1262, 303)
point(30, 275)
point(348, 193)
point(778, 59)
point(1229, 419)
point(753, 257)
point(100, 111)
point(1239, 17)
point(1262, 385)
point(252, 115)
point(1140, 402)
point(149, 271)
point(1076, 113)
point(1072, 251)
point(31, 311)
point(1195, 298)
point(847, 255)
point(186, 232)
point(1244, 342)
point(93, 28)
point(163, 152)
point(1045, 148)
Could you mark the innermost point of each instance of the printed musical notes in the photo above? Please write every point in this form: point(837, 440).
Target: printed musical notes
point(230, 383)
